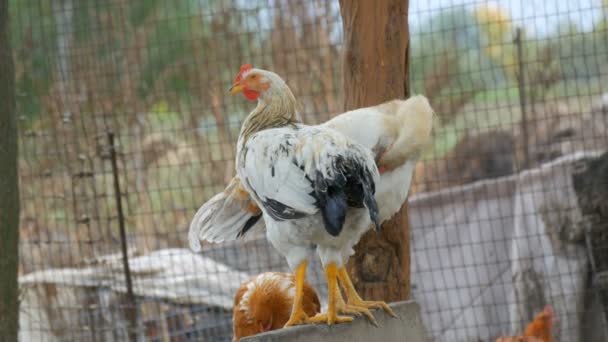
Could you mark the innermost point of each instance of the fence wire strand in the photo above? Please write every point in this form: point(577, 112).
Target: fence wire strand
point(507, 206)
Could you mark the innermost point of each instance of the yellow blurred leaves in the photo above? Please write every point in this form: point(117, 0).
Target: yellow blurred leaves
point(494, 22)
point(160, 107)
point(496, 27)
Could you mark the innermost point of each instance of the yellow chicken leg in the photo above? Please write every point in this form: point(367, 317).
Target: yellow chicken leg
point(298, 316)
point(331, 316)
point(353, 298)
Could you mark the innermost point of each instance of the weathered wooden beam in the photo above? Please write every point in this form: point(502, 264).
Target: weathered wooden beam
point(375, 70)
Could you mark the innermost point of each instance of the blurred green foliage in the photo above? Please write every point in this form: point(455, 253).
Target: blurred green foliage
point(175, 39)
point(156, 43)
point(33, 33)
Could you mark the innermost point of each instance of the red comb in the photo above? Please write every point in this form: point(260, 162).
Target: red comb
point(244, 68)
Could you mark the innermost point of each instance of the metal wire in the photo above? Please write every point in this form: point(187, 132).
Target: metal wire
point(496, 218)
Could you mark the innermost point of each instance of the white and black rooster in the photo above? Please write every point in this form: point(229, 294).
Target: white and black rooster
point(318, 188)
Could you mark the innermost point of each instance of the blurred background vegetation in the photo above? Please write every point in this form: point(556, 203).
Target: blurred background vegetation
point(156, 72)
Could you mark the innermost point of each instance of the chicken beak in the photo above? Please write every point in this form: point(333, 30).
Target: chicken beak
point(236, 88)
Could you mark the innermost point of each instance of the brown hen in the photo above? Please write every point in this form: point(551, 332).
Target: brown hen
point(264, 303)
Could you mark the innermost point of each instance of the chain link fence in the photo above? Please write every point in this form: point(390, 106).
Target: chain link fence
point(126, 127)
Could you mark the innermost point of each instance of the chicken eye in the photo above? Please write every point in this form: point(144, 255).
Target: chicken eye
point(253, 77)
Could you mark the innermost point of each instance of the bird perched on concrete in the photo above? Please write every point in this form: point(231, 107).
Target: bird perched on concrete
point(317, 187)
point(264, 302)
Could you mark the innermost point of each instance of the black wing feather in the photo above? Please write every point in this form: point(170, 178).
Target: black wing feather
point(249, 224)
point(280, 211)
point(353, 186)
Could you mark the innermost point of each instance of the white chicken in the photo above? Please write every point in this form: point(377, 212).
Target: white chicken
point(317, 187)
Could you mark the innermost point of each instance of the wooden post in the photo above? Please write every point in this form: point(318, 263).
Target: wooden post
point(9, 190)
point(375, 70)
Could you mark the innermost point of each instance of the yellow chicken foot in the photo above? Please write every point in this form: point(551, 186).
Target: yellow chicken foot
point(347, 309)
point(298, 316)
point(353, 298)
point(330, 317)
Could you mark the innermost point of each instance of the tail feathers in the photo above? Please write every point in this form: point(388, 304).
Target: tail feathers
point(226, 216)
point(200, 228)
point(415, 121)
point(368, 186)
point(372, 207)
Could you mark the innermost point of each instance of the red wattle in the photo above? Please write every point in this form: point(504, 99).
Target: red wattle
point(251, 95)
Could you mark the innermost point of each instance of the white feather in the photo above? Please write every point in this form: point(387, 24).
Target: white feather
point(221, 218)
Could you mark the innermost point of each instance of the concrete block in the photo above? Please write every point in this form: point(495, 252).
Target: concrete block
point(407, 327)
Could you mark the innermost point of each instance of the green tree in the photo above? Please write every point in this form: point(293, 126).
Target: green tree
point(449, 63)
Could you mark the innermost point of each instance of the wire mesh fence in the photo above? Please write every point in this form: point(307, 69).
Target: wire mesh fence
point(508, 213)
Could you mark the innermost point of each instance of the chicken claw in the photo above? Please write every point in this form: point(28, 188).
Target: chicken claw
point(355, 300)
point(297, 317)
point(348, 309)
point(330, 317)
